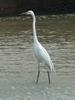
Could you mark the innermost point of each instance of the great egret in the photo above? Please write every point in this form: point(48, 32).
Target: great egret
point(40, 52)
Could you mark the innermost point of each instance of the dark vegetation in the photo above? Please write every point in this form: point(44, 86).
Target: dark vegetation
point(14, 7)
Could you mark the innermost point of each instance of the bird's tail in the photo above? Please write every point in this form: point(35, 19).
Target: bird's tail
point(52, 66)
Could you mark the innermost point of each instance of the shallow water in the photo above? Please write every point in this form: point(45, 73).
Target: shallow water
point(18, 66)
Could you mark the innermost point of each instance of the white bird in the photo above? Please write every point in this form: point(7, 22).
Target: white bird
point(40, 52)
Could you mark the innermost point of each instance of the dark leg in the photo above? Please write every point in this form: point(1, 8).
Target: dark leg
point(38, 76)
point(48, 76)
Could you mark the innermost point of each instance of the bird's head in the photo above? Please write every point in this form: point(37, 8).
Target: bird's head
point(29, 12)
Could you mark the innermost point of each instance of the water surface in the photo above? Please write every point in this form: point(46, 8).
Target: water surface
point(18, 66)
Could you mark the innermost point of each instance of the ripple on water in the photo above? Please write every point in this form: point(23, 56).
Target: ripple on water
point(18, 66)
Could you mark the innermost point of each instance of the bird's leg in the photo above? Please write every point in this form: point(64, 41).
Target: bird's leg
point(38, 76)
point(48, 76)
point(38, 73)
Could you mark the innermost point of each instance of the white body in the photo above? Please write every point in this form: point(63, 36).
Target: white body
point(42, 56)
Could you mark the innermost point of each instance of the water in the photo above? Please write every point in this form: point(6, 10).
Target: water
point(18, 66)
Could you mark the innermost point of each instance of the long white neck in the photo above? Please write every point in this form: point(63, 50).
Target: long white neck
point(34, 28)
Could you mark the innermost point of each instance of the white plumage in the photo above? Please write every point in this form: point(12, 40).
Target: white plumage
point(42, 55)
point(39, 51)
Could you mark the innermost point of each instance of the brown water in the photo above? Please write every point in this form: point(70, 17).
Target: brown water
point(18, 66)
